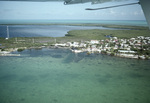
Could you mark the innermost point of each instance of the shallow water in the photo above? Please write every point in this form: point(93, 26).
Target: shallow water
point(60, 76)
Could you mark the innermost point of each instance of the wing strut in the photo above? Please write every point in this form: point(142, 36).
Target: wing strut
point(146, 9)
point(112, 6)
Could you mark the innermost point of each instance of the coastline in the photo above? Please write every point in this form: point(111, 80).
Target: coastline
point(135, 48)
point(118, 26)
point(21, 43)
point(77, 21)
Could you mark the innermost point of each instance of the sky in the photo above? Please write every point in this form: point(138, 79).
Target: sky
point(15, 10)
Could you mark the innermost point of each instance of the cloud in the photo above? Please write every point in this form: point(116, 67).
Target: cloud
point(112, 12)
point(56, 10)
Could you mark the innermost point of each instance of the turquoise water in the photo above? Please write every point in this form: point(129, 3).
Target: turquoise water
point(60, 76)
point(116, 22)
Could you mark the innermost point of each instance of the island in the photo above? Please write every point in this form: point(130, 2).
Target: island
point(131, 42)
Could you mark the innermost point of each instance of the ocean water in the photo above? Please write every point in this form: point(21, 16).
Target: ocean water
point(37, 30)
point(60, 76)
point(116, 22)
point(41, 30)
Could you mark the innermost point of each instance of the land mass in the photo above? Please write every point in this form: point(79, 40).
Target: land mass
point(82, 36)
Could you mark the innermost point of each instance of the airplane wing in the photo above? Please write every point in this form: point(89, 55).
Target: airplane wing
point(145, 4)
point(70, 1)
point(92, 1)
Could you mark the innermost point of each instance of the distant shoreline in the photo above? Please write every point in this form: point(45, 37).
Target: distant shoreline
point(117, 26)
point(69, 21)
point(59, 30)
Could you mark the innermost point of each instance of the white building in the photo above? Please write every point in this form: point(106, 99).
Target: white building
point(115, 38)
point(140, 37)
point(82, 45)
point(73, 44)
point(94, 42)
point(126, 51)
point(63, 45)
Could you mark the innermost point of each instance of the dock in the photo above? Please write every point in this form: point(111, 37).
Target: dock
point(9, 54)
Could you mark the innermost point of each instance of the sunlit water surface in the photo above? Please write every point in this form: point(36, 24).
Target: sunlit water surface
point(59, 76)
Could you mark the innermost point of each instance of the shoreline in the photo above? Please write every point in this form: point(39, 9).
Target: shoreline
point(21, 43)
point(130, 56)
point(118, 26)
point(77, 21)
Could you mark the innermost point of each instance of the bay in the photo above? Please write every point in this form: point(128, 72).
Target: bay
point(21, 28)
point(41, 30)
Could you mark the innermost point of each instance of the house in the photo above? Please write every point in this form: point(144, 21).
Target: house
point(148, 38)
point(131, 43)
point(62, 45)
point(137, 44)
point(116, 47)
point(94, 42)
point(115, 38)
point(140, 37)
point(126, 45)
point(124, 41)
point(74, 44)
point(132, 39)
point(106, 45)
point(126, 51)
point(82, 45)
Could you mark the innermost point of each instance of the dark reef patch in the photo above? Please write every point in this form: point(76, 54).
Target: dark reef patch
point(28, 78)
point(134, 75)
point(8, 77)
point(57, 56)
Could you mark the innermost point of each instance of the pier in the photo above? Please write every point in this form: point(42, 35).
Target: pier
point(4, 54)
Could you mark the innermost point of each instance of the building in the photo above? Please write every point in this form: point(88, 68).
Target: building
point(94, 42)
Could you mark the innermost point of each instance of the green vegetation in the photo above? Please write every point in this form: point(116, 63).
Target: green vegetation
point(141, 51)
point(26, 42)
point(100, 34)
point(20, 50)
point(75, 35)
